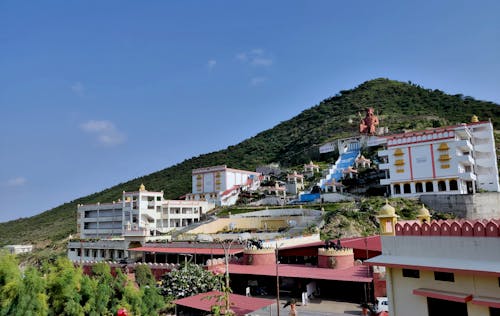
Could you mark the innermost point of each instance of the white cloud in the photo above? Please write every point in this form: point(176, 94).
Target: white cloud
point(78, 88)
point(106, 131)
point(255, 57)
point(255, 81)
point(211, 64)
point(262, 61)
point(16, 182)
point(242, 56)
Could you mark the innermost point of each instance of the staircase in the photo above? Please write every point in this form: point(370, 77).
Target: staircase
point(346, 160)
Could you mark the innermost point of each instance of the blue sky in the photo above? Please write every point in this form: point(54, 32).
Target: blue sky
point(93, 93)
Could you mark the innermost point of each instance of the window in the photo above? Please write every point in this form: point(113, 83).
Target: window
point(419, 187)
point(494, 311)
point(453, 185)
point(444, 276)
point(410, 273)
point(407, 188)
point(397, 189)
point(441, 186)
point(429, 187)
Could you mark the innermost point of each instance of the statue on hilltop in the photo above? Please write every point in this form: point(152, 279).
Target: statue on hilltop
point(368, 124)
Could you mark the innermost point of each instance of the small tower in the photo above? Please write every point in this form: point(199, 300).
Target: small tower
point(423, 215)
point(142, 187)
point(387, 218)
point(474, 119)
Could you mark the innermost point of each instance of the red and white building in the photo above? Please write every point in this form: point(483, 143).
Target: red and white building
point(448, 160)
point(221, 185)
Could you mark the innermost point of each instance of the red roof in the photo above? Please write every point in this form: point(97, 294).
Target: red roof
point(240, 304)
point(371, 243)
point(199, 251)
point(353, 274)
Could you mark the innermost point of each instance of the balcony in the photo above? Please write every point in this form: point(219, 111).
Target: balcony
point(136, 233)
point(385, 181)
point(464, 145)
point(484, 134)
point(465, 160)
point(384, 166)
point(383, 153)
point(467, 176)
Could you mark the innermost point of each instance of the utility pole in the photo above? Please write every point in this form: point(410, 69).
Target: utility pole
point(276, 252)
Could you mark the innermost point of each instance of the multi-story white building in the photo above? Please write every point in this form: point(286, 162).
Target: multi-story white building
point(221, 185)
point(449, 160)
point(436, 268)
point(140, 210)
point(140, 216)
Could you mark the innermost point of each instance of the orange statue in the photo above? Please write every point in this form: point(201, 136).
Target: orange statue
point(369, 124)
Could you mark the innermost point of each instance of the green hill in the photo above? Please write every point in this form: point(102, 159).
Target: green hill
point(399, 105)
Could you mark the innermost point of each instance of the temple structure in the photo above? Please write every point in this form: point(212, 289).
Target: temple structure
point(458, 159)
point(440, 267)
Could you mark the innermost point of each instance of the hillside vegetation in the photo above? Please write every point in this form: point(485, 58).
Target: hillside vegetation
point(399, 106)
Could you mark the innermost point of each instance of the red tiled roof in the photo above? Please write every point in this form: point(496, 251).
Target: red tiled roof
point(231, 189)
point(353, 274)
point(372, 243)
point(199, 251)
point(240, 304)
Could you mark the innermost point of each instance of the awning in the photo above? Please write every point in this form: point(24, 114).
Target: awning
point(353, 274)
point(486, 301)
point(444, 295)
point(240, 304)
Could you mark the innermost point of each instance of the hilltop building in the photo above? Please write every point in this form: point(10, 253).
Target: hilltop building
point(457, 159)
point(294, 183)
point(17, 249)
point(140, 216)
point(440, 267)
point(221, 185)
point(310, 169)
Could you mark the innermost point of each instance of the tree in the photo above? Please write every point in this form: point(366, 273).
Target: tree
point(63, 288)
point(32, 296)
point(144, 276)
point(10, 284)
point(152, 301)
point(131, 299)
point(191, 279)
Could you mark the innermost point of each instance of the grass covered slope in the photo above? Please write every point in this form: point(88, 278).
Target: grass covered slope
point(399, 106)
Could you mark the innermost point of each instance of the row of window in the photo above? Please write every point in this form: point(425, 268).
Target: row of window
point(429, 187)
point(98, 253)
point(438, 276)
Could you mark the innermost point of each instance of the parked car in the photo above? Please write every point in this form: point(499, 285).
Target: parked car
point(381, 305)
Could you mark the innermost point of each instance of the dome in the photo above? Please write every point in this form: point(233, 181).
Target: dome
point(474, 119)
point(387, 210)
point(423, 211)
point(142, 187)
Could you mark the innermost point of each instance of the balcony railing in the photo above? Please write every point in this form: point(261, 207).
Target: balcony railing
point(136, 233)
